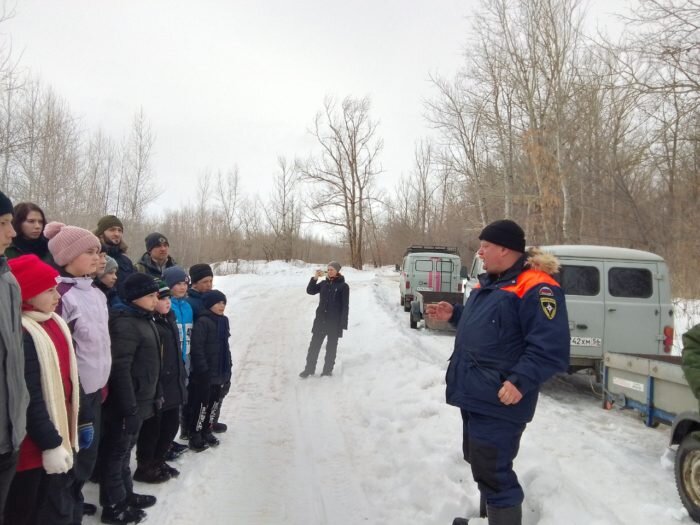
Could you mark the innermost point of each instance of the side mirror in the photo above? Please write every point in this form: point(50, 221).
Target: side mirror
point(464, 273)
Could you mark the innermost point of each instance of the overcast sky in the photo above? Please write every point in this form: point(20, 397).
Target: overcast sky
point(238, 82)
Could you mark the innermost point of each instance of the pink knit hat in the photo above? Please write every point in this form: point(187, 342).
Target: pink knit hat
point(68, 242)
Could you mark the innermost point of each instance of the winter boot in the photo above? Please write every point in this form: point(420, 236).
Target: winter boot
point(219, 428)
point(506, 515)
point(172, 471)
point(121, 514)
point(210, 438)
point(460, 521)
point(197, 442)
point(150, 473)
point(305, 373)
point(140, 501)
point(89, 509)
point(326, 373)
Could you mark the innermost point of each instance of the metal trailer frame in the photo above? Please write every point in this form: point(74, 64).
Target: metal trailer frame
point(652, 384)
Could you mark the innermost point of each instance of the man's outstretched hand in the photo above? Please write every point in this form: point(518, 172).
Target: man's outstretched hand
point(441, 311)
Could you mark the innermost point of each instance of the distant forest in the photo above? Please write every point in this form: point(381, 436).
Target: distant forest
point(580, 138)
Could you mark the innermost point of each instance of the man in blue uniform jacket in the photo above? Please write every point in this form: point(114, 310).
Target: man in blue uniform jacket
point(512, 335)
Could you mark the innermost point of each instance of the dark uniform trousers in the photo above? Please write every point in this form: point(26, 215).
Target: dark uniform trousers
point(315, 348)
point(490, 445)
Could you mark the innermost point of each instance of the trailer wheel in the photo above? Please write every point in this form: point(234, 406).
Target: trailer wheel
point(687, 467)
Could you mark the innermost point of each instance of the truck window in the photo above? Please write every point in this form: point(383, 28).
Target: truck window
point(446, 266)
point(424, 265)
point(630, 282)
point(579, 280)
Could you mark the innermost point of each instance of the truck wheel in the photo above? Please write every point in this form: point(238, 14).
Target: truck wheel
point(687, 469)
point(414, 323)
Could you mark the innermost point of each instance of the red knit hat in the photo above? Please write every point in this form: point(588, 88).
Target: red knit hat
point(33, 275)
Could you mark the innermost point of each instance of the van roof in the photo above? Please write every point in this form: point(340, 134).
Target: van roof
point(433, 254)
point(600, 252)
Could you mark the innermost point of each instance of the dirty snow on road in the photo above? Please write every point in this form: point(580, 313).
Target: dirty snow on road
point(376, 442)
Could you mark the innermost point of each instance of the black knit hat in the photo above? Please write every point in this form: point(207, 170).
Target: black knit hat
point(107, 222)
point(5, 205)
point(212, 297)
point(154, 240)
point(199, 272)
point(505, 233)
point(138, 285)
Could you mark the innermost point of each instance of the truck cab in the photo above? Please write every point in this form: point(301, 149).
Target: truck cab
point(428, 268)
point(618, 300)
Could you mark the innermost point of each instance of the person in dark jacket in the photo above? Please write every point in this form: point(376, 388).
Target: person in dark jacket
point(29, 221)
point(157, 258)
point(158, 432)
point(201, 281)
point(14, 397)
point(512, 336)
point(210, 368)
point(331, 317)
point(133, 396)
point(110, 231)
point(41, 490)
point(106, 280)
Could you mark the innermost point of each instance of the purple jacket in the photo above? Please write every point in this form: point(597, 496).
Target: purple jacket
point(84, 308)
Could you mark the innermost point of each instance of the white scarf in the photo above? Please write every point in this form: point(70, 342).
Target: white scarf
point(51, 382)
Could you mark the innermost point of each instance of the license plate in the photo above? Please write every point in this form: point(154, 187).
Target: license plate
point(596, 342)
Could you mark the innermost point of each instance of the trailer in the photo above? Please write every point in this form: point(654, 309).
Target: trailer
point(424, 298)
point(650, 383)
point(656, 386)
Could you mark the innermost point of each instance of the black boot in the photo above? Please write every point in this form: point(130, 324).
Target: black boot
point(305, 373)
point(460, 521)
point(121, 514)
point(506, 515)
point(140, 501)
point(172, 471)
point(197, 442)
point(219, 428)
point(210, 438)
point(150, 472)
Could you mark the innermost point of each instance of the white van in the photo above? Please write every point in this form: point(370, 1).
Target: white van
point(429, 268)
point(618, 300)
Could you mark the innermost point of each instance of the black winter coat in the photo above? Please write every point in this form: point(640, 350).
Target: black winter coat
point(133, 381)
point(332, 311)
point(172, 373)
point(124, 265)
point(210, 354)
point(146, 265)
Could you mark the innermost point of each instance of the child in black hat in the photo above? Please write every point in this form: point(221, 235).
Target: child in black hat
point(210, 368)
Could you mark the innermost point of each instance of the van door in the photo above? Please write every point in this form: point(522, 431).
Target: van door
point(632, 310)
point(582, 284)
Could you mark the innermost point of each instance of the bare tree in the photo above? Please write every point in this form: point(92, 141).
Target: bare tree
point(283, 212)
point(342, 175)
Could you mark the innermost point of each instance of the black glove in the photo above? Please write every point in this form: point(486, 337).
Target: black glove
point(131, 424)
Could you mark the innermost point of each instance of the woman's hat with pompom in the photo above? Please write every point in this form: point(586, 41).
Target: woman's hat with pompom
point(68, 242)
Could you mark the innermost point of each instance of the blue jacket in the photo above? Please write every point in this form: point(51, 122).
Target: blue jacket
point(195, 299)
point(513, 327)
point(185, 319)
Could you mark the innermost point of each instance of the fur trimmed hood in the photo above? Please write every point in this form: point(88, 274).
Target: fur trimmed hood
point(537, 259)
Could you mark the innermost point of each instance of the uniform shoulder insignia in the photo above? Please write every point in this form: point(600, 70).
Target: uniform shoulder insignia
point(548, 302)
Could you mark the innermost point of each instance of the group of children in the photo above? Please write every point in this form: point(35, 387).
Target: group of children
point(113, 358)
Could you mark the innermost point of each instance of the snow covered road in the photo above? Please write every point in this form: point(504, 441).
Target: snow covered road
point(376, 443)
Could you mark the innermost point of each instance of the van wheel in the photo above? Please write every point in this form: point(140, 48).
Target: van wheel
point(402, 301)
point(687, 468)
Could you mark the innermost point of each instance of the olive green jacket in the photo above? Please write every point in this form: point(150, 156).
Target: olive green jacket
point(691, 358)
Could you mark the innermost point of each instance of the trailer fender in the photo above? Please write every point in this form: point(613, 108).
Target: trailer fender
point(684, 424)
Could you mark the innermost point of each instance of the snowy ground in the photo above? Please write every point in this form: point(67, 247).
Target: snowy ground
point(376, 443)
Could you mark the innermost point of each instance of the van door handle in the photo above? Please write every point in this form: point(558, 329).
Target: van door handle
point(582, 326)
point(612, 309)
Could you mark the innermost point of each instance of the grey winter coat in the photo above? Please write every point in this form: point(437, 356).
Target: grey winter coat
point(14, 397)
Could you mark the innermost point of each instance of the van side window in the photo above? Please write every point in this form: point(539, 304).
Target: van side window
point(446, 266)
point(630, 282)
point(424, 265)
point(579, 280)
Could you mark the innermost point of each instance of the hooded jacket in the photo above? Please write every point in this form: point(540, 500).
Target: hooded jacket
point(14, 397)
point(84, 308)
point(147, 265)
point(513, 327)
